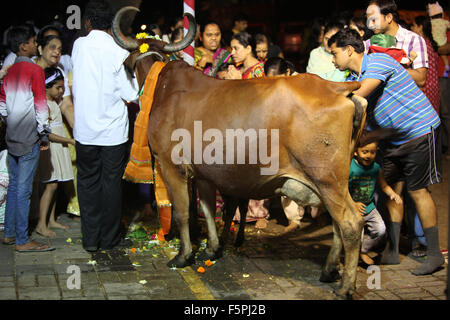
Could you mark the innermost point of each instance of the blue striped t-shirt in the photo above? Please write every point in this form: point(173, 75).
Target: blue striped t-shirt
point(401, 105)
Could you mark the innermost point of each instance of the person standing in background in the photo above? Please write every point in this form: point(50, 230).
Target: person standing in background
point(100, 86)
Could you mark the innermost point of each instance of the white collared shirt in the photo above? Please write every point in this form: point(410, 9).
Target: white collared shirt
point(101, 85)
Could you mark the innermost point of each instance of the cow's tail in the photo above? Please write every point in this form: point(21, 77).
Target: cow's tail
point(359, 119)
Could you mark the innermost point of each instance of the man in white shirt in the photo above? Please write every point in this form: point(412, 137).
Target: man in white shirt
point(100, 86)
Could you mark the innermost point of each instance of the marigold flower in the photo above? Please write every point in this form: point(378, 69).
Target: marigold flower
point(201, 270)
point(144, 48)
point(142, 35)
point(208, 263)
point(133, 250)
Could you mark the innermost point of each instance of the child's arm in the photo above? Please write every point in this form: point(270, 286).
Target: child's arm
point(40, 104)
point(3, 110)
point(388, 190)
point(361, 208)
point(59, 139)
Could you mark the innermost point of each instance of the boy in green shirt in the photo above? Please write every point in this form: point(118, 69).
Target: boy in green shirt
point(365, 173)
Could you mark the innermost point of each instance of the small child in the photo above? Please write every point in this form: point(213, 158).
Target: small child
point(55, 165)
point(365, 173)
point(439, 27)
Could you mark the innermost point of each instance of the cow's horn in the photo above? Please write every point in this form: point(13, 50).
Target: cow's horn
point(118, 35)
point(187, 40)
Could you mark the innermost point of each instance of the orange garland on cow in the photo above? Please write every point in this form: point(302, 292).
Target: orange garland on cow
point(139, 169)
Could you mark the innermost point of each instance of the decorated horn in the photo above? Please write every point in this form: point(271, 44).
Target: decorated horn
point(117, 33)
point(187, 40)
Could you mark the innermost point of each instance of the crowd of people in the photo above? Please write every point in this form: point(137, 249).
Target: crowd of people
point(66, 125)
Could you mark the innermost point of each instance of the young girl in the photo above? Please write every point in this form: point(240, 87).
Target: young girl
point(55, 164)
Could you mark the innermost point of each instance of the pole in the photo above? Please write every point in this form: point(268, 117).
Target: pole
point(189, 6)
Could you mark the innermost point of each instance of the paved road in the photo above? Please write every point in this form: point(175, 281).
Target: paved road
point(268, 267)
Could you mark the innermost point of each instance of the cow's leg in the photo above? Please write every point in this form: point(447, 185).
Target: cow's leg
point(243, 209)
point(207, 195)
point(230, 209)
point(304, 196)
point(177, 188)
point(330, 272)
point(350, 224)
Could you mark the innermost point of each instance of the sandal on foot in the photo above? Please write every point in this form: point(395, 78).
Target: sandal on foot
point(37, 247)
point(9, 241)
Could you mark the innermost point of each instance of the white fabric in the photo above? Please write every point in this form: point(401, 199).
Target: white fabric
point(4, 182)
point(66, 83)
point(100, 82)
point(10, 59)
point(66, 62)
point(55, 163)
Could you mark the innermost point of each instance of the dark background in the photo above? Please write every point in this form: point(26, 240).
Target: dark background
point(274, 11)
point(283, 20)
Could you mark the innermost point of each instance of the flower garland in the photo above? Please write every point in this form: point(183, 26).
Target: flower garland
point(143, 35)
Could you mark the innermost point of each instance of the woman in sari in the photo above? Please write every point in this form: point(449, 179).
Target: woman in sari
point(243, 52)
point(211, 55)
point(243, 49)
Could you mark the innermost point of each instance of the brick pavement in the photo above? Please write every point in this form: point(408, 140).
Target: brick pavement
point(269, 266)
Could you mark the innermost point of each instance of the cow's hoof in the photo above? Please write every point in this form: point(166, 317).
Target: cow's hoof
point(180, 262)
point(239, 242)
point(328, 277)
point(208, 255)
point(342, 294)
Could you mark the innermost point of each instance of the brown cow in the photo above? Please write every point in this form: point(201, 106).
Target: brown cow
point(311, 121)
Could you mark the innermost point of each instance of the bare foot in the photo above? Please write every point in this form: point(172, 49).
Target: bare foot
point(291, 227)
point(57, 225)
point(366, 259)
point(45, 232)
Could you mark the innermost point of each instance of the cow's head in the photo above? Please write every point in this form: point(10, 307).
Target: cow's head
point(139, 62)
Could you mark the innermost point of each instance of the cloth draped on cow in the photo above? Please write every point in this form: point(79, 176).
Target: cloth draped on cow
point(140, 168)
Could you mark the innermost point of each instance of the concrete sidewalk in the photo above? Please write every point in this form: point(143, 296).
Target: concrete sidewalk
point(269, 266)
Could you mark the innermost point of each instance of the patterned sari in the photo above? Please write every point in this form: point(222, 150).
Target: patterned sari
point(256, 71)
point(220, 57)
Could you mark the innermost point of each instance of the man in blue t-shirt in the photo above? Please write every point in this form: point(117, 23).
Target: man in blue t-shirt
point(365, 173)
point(413, 159)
